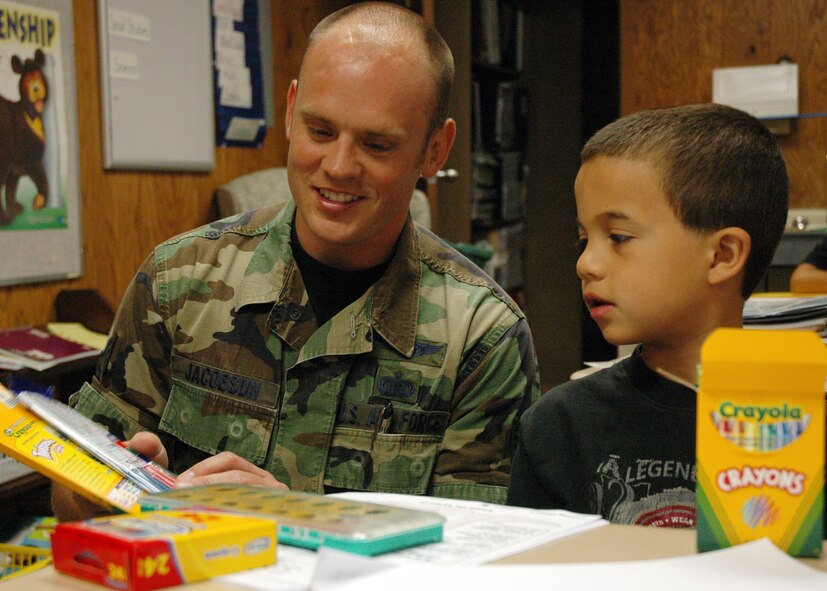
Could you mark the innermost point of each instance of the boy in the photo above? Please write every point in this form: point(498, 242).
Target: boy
point(679, 212)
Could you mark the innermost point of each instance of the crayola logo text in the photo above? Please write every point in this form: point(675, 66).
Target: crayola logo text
point(730, 410)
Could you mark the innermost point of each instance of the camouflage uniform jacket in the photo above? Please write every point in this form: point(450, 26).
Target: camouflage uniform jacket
point(414, 388)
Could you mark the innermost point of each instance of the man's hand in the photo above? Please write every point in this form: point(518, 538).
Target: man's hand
point(70, 506)
point(227, 467)
point(149, 445)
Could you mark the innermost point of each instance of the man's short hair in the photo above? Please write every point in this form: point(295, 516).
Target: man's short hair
point(393, 21)
point(719, 167)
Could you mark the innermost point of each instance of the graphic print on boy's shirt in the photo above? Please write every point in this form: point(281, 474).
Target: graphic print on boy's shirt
point(645, 491)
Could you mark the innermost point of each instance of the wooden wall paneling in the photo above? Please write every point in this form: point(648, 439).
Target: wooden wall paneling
point(125, 214)
point(668, 51)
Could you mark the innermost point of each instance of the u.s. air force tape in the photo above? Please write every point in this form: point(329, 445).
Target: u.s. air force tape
point(403, 421)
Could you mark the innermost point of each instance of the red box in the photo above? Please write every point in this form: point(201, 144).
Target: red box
point(162, 548)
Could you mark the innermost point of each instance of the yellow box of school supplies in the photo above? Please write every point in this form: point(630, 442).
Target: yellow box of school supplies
point(760, 445)
point(30, 440)
point(162, 548)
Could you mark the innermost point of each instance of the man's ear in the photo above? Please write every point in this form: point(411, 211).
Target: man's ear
point(439, 147)
point(288, 112)
point(731, 248)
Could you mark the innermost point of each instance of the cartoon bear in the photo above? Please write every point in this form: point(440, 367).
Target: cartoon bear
point(22, 138)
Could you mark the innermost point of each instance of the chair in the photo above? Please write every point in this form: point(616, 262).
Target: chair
point(269, 186)
point(86, 306)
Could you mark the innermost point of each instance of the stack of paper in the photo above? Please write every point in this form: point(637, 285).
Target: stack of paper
point(475, 533)
point(802, 312)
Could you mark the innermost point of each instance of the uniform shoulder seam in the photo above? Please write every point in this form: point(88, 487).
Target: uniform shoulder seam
point(460, 268)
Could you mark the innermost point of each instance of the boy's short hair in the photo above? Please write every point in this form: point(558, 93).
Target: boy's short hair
point(720, 167)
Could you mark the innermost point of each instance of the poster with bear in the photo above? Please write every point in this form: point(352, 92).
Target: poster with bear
point(34, 163)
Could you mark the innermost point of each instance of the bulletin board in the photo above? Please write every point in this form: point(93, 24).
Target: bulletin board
point(157, 84)
point(40, 233)
point(239, 80)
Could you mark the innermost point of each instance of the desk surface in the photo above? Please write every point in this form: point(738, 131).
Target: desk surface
point(605, 544)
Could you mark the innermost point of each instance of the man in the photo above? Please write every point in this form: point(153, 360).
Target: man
point(328, 344)
point(810, 276)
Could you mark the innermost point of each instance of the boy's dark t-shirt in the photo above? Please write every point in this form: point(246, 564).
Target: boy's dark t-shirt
point(619, 442)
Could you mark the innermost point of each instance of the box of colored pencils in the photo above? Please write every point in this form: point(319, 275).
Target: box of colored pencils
point(760, 445)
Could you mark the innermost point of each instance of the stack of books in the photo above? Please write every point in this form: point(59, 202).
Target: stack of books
point(39, 349)
point(787, 312)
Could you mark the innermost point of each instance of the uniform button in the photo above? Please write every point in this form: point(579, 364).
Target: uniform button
point(235, 430)
point(369, 336)
point(184, 416)
point(295, 314)
point(283, 416)
point(417, 468)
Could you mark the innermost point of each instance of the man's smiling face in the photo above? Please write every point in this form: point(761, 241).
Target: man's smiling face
point(357, 123)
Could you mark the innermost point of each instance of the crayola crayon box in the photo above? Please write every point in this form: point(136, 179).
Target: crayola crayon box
point(162, 548)
point(760, 445)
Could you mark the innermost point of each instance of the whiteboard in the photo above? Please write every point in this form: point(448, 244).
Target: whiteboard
point(31, 251)
point(157, 84)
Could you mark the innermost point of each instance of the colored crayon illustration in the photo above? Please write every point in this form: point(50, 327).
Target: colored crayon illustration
point(764, 435)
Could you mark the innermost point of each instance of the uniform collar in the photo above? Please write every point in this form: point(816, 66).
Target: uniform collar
point(392, 304)
point(395, 308)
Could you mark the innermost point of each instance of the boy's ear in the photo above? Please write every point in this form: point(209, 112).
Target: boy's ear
point(731, 248)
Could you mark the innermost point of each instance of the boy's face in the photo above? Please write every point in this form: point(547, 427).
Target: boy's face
point(643, 274)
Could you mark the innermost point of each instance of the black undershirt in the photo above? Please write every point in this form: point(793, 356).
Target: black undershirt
point(331, 290)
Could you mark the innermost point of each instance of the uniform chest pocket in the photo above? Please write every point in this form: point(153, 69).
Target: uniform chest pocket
point(214, 422)
point(361, 459)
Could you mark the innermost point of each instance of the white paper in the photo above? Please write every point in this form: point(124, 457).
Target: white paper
point(337, 565)
point(223, 23)
point(476, 532)
point(757, 566)
point(243, 129)
point(233, 9)
point(236, 95)
point(771, 307)
point(229, 40)
point(229, 58)
point(293, 571)
point(129, 25)
point(123, 64)
point(235, 75)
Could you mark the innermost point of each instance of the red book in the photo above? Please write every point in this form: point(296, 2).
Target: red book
point(39, 349)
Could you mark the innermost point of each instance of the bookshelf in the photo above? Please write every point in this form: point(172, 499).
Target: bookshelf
point(552, 73)
point(499, 113)
point(473, 201)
